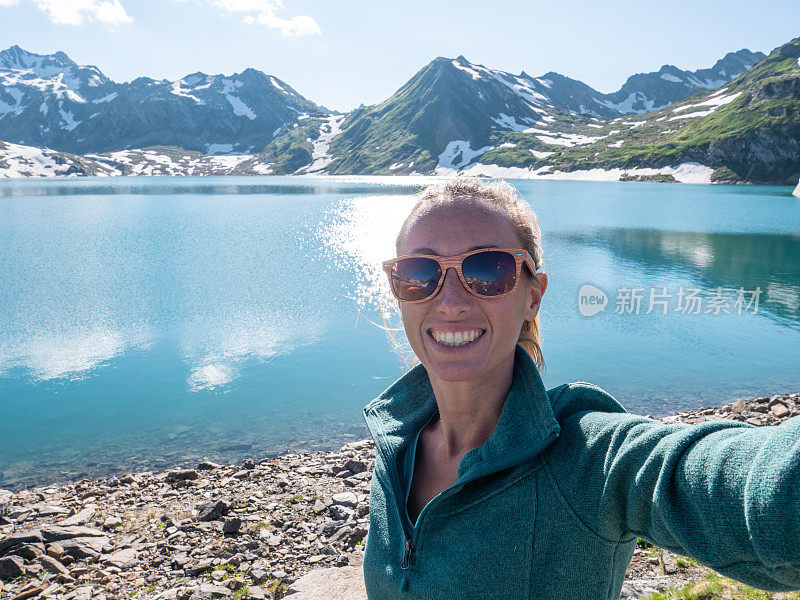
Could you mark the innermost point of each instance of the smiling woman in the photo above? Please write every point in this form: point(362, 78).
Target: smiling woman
point(486, 485)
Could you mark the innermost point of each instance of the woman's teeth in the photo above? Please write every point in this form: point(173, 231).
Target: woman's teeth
point(461, 338)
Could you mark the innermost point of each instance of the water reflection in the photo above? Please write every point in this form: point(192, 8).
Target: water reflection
point(212, 186)
point(726, 260)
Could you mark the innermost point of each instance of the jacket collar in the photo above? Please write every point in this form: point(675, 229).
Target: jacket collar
point(526, 425)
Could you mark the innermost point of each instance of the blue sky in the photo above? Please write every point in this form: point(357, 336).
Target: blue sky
point(340, 54)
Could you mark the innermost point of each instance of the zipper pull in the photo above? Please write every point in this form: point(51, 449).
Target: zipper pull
point(407, 554)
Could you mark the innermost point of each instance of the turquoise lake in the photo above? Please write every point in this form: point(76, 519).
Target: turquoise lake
point(152, 322)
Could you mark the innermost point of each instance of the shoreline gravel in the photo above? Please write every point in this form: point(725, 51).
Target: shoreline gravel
point(248, 530)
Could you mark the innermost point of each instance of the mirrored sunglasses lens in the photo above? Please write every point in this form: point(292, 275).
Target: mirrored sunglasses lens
point(490, 273)
point(415, 278)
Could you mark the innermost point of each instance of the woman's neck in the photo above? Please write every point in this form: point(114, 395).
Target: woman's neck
point(468, 412)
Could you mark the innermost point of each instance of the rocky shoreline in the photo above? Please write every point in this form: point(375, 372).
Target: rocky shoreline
point(276, 527)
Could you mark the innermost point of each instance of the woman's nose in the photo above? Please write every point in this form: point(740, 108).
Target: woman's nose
point(453, 297)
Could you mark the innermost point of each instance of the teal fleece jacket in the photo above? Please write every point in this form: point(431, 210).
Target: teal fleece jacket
point(550, 506)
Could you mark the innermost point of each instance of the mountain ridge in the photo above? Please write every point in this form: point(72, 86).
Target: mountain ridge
point(451, 116)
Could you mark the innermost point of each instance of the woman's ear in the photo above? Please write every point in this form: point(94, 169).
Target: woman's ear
point(537, 289)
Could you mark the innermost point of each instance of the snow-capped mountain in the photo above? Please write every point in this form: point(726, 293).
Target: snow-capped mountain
point(447, 113)
point(51, 101)
point(734, 122)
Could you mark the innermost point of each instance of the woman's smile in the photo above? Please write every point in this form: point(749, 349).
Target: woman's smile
point(460, 338)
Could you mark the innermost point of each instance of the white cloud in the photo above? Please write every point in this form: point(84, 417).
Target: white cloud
point(74, 12)
point(262, 12)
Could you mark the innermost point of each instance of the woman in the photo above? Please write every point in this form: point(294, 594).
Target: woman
point(486, 485)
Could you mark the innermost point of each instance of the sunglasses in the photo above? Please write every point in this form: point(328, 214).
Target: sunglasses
point(485, 273)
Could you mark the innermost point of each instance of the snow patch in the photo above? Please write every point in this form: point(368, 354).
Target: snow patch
point(569, 139)
point(708, 84)
point(508, 122)
point(672, 78)
point(472, 72)
point(626, 106)
point(699, 113)
point(68, 118)
point(320, 155)
point(683, 173)
point(540, 154)
point(457, 155)
point(595, 126)
point(276, 84)
point(507, 145)
point(239, 108)
point(262, 168)
point(229, 162)
point(219, 148)
point(107, 98)
point(713, 102)
point(184, 93)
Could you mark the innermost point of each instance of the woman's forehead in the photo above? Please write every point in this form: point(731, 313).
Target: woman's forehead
point(454, 228)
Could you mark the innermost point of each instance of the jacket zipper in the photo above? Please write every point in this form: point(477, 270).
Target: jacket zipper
point(477, 474)
point(411, 537)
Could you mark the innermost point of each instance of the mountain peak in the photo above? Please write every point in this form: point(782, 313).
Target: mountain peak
point(19, 59)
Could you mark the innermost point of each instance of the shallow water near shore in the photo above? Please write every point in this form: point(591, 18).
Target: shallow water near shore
point(151, 322)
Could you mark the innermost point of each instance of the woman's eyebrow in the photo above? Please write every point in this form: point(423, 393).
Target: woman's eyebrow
point(432, 251)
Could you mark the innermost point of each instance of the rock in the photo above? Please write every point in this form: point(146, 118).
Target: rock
point(259, 575)
point(739, 405)
point(56, 533)
point(796, 191)
point(84, 547)
point(248, 463)
point(345, 499)
point(82, 518)
point(11, 567)
point(341, 583)
point(255, 592)
point(235, 583)
point(779, 410)
point(356, 466)
point(636, 588)
point(198, 567)
point(81, 593)
point(51, 565)
point(20, 538)
point(50, 511)
point(232, 525)
point(341, 513)
point(27, 551)
point(668, 561)
point(123, 559)
point(55, 550)
point(207, 465)
point(5, 496)
point(112, 522)
point(29, 592)
point(211, 591)
point(212, 510)
point(181, 475)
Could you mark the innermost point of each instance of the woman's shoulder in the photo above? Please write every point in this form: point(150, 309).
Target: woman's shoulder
point(580, 396)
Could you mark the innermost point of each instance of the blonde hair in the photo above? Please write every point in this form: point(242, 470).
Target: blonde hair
point(498, 196)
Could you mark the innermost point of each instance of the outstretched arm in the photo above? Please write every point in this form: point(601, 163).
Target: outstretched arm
point(723, 492)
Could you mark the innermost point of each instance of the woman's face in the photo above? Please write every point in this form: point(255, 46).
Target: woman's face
point(454, 229)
